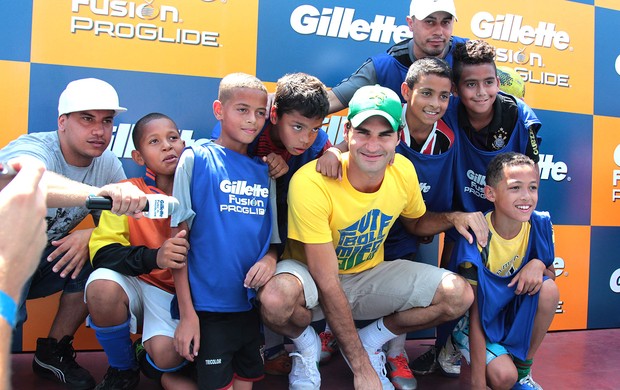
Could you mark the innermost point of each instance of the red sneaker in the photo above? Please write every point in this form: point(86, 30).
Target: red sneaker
point(400, 374)
point(329, 346)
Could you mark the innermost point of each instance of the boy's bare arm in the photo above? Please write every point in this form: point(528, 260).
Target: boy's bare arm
point(187, 333)
point(330, 163)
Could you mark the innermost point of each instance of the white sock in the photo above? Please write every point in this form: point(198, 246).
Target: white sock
point(375, 334)
point(396, 346)
point(306, 343)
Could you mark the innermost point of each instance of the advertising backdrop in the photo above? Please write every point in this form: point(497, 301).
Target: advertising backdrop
point(169, 55)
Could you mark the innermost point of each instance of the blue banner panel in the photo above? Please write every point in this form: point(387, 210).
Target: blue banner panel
point(16, 30)
point(326, 38)
point(566, 167)
point(604, 294)
point(606, 62)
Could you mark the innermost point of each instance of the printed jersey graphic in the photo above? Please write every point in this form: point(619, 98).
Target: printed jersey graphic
point(360, 241)
point(244, 198)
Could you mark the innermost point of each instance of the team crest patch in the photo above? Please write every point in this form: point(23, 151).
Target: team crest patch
point(500, 138)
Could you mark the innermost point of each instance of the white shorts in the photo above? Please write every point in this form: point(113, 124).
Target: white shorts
point(390, 287)
point(149, 306)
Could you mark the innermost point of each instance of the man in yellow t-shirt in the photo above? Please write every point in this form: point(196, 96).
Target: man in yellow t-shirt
point(336, 233)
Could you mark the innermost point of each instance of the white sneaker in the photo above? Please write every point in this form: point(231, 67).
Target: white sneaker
point(305, 373)
point(449, 359)
point(377, 359)
point(527, 383)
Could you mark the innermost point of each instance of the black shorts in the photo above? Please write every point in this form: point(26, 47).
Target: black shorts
point(229, 348)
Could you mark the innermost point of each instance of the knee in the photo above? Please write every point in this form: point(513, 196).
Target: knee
point(549, 295)
point(162, 353)
point(278, 299)
point(456, 294)
point(103, 295)
point(503, 377)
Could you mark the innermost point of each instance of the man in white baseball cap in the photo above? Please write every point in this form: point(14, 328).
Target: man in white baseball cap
point(78, 165)
point(421, 9)
point(431, 22)
point(89, 94)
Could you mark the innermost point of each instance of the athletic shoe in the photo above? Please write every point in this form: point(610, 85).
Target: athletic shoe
point(426, 363)
point(377, 359)
point(116, 379)
point(305, 373)
point(280, 364)
point(329, 346)
point(527, 383)
point(399, 373)
point(449, 359)
point(56, 360)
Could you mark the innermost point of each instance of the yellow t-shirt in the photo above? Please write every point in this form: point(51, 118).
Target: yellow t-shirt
point(502, 257)
point(325, 210)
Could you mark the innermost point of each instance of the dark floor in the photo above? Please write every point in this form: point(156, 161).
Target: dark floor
point(566, 360)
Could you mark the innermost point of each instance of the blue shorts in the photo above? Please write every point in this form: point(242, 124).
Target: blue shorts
point(460, 336)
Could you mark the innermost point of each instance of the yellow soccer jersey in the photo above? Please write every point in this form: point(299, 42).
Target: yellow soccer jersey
point(325, 210)
point(502, 257)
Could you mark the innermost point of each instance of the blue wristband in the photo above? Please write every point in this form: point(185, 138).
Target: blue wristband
point(8, 308)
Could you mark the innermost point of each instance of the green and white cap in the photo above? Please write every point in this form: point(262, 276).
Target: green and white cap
point(374, 100)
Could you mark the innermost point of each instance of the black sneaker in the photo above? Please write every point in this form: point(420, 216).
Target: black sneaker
point(426, 363)
point(116, 379)
point(56, 360)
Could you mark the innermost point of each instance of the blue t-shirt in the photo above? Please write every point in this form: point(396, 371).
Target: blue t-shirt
point(231, 230)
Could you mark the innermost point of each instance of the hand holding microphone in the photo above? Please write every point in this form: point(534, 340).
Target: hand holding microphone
point(157, 206)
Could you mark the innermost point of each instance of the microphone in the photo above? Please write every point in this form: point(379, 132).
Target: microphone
point(157, 206)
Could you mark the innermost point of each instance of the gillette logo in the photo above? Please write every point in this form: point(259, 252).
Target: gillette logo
point(510, 28)
point(243, 188)
point(557, 171)
point(339, 22)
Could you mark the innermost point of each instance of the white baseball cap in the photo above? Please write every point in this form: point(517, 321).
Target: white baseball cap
point(88, 94)
point(421, 9)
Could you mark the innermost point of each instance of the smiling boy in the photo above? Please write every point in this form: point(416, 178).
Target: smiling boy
point(514, 301)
